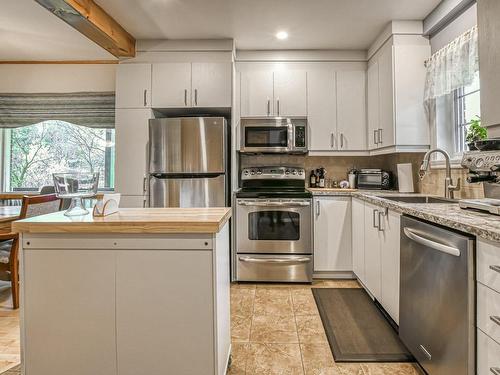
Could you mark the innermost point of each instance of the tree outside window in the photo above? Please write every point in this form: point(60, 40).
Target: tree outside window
point(48, 147)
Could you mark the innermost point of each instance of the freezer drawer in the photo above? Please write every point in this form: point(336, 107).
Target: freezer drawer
point(187, 145)
point(187, 192)
point(276, 268)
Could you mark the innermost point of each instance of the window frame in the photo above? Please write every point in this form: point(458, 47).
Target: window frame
point(460, 123)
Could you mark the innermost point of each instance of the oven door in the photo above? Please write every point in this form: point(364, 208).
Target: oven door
point(274, 226)
point(267, 138)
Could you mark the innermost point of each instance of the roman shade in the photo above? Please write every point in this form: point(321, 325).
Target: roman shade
point(91, 109)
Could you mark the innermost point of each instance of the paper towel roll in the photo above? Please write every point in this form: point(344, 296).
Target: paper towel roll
point(405, 178)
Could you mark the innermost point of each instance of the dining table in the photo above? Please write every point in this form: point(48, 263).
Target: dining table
point(8, 214)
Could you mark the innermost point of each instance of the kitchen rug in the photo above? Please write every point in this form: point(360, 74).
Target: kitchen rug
point(356, 329)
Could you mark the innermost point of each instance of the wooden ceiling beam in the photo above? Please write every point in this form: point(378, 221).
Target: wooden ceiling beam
point(92, 21)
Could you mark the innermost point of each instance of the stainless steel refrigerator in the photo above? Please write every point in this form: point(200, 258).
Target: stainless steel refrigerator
point(188, 162)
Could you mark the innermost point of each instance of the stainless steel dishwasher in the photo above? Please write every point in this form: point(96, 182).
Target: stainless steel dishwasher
point(437, 297)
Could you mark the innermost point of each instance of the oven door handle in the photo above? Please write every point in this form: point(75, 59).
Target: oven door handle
point(274, 204)
point(274, 260)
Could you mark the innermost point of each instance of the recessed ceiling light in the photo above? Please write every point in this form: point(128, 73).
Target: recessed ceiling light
point(281, 35)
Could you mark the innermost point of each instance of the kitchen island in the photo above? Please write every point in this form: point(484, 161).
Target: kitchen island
point(142, 291)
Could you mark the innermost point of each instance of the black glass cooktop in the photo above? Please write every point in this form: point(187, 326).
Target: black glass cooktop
point(273, 193)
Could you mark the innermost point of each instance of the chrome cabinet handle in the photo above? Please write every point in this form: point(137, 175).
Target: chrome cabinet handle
point(374, 215)
point(274, 260)
point(375, 137)
point(185, 97)
point(380, 215)
point(495, 319)
point(318, 209)
point(495, 370)
point(495, 268)
point(380, 141)
point(145, 98)
point(341, 140)
point(195, 96)
point(278, 106)
point(144, 184)
point(268, 107)
point(332, 140)
point(419, 238)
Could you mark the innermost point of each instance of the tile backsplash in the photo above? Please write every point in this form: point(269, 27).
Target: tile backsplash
point(338, 166)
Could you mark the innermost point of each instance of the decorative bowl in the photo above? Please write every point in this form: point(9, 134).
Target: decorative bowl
point(76, 186)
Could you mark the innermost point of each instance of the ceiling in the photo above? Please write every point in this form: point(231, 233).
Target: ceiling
point(311, 24)
point(29, 32)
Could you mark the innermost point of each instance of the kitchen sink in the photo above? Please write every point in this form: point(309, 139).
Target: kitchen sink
point(420, 199)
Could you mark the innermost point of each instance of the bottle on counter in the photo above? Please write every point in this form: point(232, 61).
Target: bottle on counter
point(312, 179)
point(321, 177)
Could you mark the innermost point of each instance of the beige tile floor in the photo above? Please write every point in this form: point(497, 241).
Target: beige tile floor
point(276, 329)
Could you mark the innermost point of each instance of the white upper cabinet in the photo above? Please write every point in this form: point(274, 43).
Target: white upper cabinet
point(211, 84)
point(171, 84)
point(351, 110)
point(133, 86)
point(332, 234)
point(373, 105)
point(290, 96)
point(396, 80)
point(188, 84)
point(265, 92)
point(257, 93)
point(321, 108)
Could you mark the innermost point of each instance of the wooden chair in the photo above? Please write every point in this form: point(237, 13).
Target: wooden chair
point(9, 248)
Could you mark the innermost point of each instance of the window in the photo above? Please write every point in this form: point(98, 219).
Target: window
point(32, 153)
point(466, 108)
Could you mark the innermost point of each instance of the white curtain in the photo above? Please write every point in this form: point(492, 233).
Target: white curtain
point(453, 66)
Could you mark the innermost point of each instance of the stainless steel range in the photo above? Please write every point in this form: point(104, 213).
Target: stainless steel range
point(273, 226)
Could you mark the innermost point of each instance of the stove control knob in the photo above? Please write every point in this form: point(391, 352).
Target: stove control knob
point(252, 172)
point(301, 173)
point(259, 172)
point(294, 172)
point(287, 172)
point(479, 162)
point(246, 172)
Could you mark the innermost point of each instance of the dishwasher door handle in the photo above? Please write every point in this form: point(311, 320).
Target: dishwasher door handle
point(418, 237)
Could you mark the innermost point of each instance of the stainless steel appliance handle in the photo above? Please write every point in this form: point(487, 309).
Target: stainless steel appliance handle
point(274, 204)
point(185, 97)
point(412, 234)
point(495, 370)
point(145, 97)
point(374, 215)
point(495, 268)
point(195, 96)
point(375, 137)
point(274, 260)
point(495, 319)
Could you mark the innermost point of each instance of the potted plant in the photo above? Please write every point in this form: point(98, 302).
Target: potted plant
point(474, 133)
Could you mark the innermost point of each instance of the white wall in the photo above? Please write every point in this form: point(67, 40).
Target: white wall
point(464, 22)
point(54, 78)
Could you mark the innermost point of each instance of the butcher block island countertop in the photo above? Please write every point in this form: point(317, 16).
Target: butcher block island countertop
point(141, 291)
point(131, 220)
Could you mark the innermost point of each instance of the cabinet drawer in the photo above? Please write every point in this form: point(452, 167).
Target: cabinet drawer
point(488, 355)
point(488, 311)
point(488, 264)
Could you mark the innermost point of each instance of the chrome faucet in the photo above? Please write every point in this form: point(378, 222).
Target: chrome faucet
point(449, 188)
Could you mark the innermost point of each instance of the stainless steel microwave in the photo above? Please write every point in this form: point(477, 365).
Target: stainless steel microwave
point(285, 135)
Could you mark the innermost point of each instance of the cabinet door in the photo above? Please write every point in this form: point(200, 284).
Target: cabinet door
point(358, 239)
point(133, 86)
point(386, 95)
point(332, 234)
point(171, 84)
point(372, 250)
point(131, 138)
point(163, 318)
point(351, 110)
point(321, 109)
point(256, 93)
point(389, 264)
point(211, 85)
point(373, 105)
point(290, 93)
point(132, 201)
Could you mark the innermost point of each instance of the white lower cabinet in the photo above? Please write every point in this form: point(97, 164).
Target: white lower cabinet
point(376, 253)
point(332, 234)
point(488, 355)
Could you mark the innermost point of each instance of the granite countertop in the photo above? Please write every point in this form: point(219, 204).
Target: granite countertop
point(450, 215)
point(131, 220)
